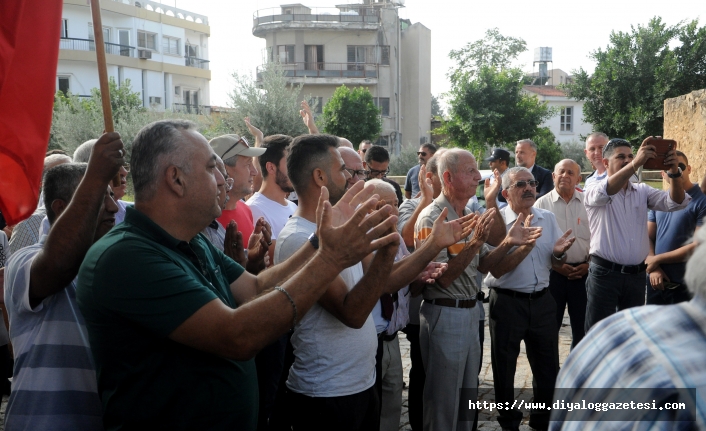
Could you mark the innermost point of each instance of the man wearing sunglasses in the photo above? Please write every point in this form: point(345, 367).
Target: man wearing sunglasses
point(411, 185)
point(670, 242)
point(377, 165)
point(617, 217)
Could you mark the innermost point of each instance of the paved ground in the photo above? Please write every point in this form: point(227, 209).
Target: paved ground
point(523, 376)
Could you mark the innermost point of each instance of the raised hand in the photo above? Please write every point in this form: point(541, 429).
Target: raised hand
point(563, 243)
point(260, 241)
point(482, 230)
point(521, 233)
point(644, 153)
point(308, 118)
point(233, 244)
point(432, 272)
point(257, 133)
point(425, 188)
point(491, 190)
point(447, 233)
point(347, 244)
point(347, 205)
point(106, 158)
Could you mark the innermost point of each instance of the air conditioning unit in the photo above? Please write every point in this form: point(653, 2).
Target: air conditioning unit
point(155, 100)
point(144, 54)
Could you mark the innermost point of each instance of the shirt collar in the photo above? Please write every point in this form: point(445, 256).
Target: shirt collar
point(150, 228)
point(511, 216)
point(442, 202)
point(555, 196)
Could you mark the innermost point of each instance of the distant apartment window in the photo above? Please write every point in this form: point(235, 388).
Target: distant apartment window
point(385, 55)
point(382, 141)
point(361, 54)
point(64, 28)
point(285, 53)
point(384, 104)
point(63, 84)
point(191, 50)
point(170, 45)
point(566, 121)
point(314, 57)
point(147, 40)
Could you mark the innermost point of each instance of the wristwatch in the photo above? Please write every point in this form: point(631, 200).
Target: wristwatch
point(677, 175)
point(560, 257)
point(314, 240)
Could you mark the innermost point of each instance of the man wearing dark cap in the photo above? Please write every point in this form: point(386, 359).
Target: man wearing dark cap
point(237, 155)
point(500, 160)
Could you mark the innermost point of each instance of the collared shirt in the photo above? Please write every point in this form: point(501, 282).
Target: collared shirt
point(594, 178)
point(216, 233)
point(570, 216)
point(618, 223)
point(137, 285)
point(466, 285)
point(26, 232)
point(648, 347)
point(532, 274)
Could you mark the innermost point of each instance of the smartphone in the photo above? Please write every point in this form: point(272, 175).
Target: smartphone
point(663, 146)
point(669, 285)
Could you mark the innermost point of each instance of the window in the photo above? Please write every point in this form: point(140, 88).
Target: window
point(63, 83)
point(566, 119)
point(361, 54)
point(147, 40)
point(285, 53)
point(384, 104)
point(385, 55)
point(314, 57)
point(170, 45)
point(64, 28)
point(124, 41)
point(382, 141)
point(192, 50)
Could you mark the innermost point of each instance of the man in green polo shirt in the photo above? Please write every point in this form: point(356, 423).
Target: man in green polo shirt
point(174, 323)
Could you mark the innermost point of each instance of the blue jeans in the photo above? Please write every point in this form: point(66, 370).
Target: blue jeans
point(609, 291)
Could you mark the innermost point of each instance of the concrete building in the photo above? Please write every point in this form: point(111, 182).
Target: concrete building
point(161, 50)
point(357, 45)
point(568, 125)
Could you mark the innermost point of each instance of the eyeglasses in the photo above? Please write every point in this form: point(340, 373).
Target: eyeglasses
point(523, 184)
point(363, 150)
point(372, 173)
point(241, 140)
point(421, 153)
point(360, 173)
point(229, 184)
point(615, 142)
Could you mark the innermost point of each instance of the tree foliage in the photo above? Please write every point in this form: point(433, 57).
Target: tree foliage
point(436, 110)
point(494, 50)
point(549, 151)
point(352, 114)
point(636, 72)
point(271, 103)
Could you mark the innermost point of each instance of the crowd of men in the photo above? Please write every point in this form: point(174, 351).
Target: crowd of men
point(265, 287)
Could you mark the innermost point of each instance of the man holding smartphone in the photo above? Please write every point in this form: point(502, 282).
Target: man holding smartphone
point(618, 223)
point(670, 242)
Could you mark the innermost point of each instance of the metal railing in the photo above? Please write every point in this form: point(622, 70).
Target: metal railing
point(196, 62)
point(274, 15)
point(166, 10)
point(71, 43)
point(191, 109)
point(326, 70)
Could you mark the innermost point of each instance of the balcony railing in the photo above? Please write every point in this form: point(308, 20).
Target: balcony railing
point(191, 109)
point(196, 62)
point(74, 44)
point(276, 15)
point(326, 70)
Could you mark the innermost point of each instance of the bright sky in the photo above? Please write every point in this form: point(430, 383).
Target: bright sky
point(573, 29)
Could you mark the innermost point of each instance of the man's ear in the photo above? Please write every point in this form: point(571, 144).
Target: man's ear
point(320, 177)
point(271, 168)
point(58, 206)
point(175, 180)
point(504, 193)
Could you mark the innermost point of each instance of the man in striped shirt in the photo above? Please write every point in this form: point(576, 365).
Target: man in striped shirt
point(54, 382)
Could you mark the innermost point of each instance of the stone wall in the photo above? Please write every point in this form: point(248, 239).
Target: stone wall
point(685, 122)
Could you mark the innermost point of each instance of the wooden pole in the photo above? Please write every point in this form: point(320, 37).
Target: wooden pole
point(103, 73)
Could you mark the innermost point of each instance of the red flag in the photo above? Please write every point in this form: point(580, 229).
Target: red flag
point(29, 51)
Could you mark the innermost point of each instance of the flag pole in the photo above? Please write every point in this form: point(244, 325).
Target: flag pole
point(103, 73)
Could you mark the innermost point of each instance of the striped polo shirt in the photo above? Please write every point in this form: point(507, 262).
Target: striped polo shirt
point(466, 285)
point(54, 379)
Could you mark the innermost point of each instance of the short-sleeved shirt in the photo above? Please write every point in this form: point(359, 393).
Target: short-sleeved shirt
point(274, 213)
point(466, 285)
point(54, 379)
point(411, 184)
point(136, 285)
point(242, 216)
point(674, 229)
point(532, 274)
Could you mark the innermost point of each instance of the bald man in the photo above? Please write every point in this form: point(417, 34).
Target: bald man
point(354, 165)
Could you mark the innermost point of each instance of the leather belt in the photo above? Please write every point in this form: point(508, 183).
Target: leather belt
point(454, 303)
point(516, 294)
point(385, 337)
point(623, 269)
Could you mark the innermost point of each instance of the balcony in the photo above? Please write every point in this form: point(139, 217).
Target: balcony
point(74, 44)
point(191, 109)
point(196, 62)
point(317, 18)
point(328, 73)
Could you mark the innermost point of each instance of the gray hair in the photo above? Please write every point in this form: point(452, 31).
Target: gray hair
point(528, 141)
point(157, 146)
point(433, 162)
point(83, 152)
point(695, 276)
point(510, 175)
point(60, 182)
point(450, 159)
point(381, 186)
point(595, 135)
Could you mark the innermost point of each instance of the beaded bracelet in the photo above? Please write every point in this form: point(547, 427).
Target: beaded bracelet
point(294, 306)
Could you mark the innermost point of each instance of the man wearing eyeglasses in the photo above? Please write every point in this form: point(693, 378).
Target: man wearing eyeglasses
point(377, 165)
point(617, 216)
point(354, 165)
point(411, 185)
point(670, 236)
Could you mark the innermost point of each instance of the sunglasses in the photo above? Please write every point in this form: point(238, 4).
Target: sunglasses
point(239, 141)
point(364, 150)
point(356, 173)
point(421, 153)
point(523, 184)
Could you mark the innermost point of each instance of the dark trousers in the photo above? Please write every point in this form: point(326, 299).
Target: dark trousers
point(571, 293)
point(270, 364)
point(533, 321)
point(357, 412)
point(417, 376)
point(666, 296)
point(280, 415)
point(608, 291)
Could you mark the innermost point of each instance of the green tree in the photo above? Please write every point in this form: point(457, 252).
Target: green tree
point(270, 101)
point(548, 148)
point(436, 110)
point(352, 114)
point(636, 72)
point(494, 50)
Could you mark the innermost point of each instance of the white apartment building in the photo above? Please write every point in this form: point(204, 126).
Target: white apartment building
point(162, 50)
point(568, 125)
point(357, 45)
